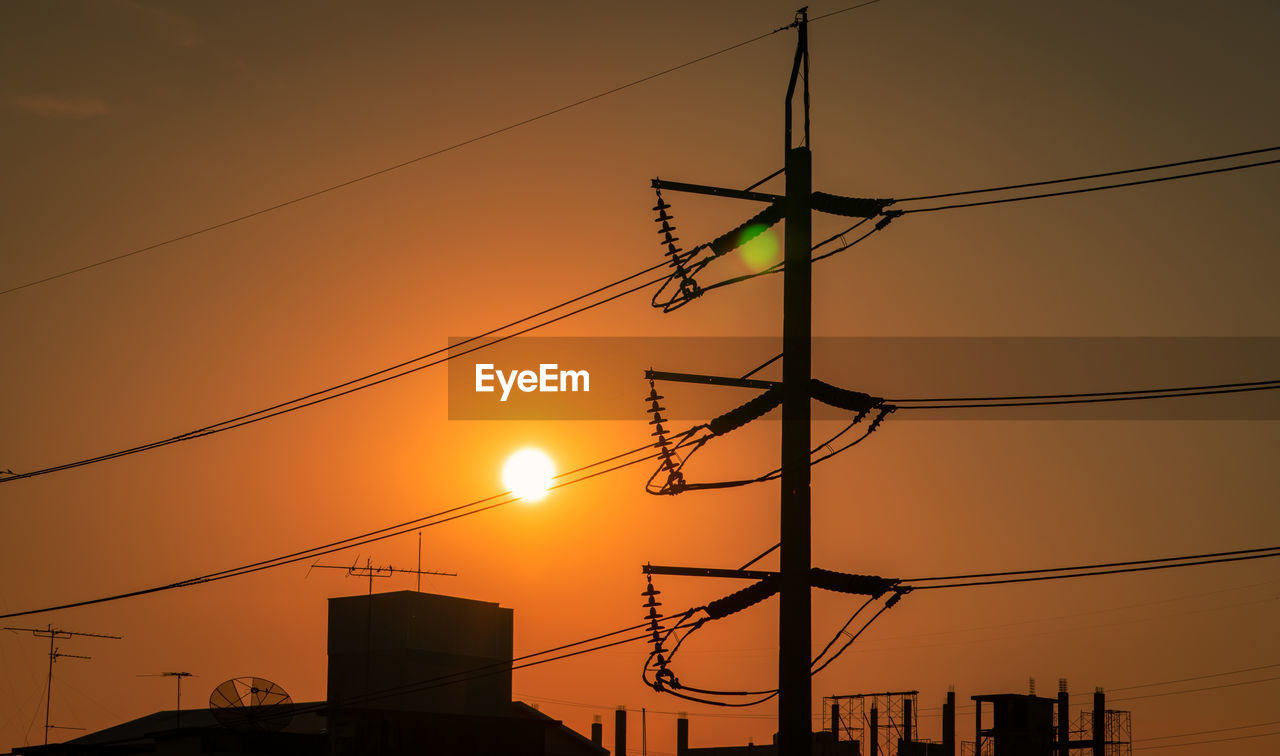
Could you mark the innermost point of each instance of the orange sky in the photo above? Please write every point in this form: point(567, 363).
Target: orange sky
point(127, 123)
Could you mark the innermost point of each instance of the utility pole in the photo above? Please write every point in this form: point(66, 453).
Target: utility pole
point(54, 634)
point(795, 615)
point(796, 576)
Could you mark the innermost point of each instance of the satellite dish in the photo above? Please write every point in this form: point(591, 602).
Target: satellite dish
point(251, 703)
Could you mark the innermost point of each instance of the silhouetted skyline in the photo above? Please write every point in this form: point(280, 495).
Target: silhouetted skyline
point(129, 123)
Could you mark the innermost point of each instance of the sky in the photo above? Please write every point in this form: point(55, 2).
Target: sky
point(127, 123)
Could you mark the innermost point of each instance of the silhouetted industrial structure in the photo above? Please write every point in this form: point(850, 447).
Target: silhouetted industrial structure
point(1005, 724)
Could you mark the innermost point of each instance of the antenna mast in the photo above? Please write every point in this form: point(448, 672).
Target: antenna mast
point(370, 571)
point(178, 676)
point(54, 634)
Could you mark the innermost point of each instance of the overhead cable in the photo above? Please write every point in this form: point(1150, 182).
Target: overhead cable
point(369, 380)
point(436, 518)
point(1088, 176)
point(395, 167)
point(1087, 190)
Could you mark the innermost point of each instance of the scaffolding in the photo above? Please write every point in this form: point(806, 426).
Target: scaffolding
point(882, 719)
point(1117, 731)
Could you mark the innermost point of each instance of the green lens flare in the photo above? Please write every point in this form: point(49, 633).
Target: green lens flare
point(762, 251)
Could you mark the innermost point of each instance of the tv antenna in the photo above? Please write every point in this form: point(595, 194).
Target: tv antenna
point(55, 634)
point(178, 677)
point(370, 571)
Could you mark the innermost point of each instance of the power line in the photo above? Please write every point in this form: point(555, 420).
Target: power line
point(388, 373)
point(497, 668)
point(437, 518)
point(363, 382)
point(675, 688)
point(676, 483)
point(402, 164)
point(1041, 578)
point(1201, 742)
point(1077, 631)
point(1207, 732)
point(612, 707)
point(367, 381)
point(1197, 677)
point(1066, 192)
point(1198, 690)
point(852, 637)
point(842, 10)
point(1105, 610)
point(1148, 685)
point(1088, 176)
point(1097, 398)
point(1082, 395)
point(453, 678)
point(1079, 567)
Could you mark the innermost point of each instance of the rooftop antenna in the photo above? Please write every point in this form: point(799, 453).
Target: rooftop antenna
point(370, 571)
point(53, 634)
point(251, 703)
point(178, 676)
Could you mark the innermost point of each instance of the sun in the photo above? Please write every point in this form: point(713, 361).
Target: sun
point(528, 474)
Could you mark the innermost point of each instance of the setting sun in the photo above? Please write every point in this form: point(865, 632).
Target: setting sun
point(528, 474)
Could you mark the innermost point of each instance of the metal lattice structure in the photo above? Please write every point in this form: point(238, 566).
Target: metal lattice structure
point(894, 715)
point(1117, 731)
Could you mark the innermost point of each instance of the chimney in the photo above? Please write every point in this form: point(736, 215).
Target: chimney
point(682, 734)
point(949, 724)
point(906, 722)
point(1099, 723)
point(1064, 719)
point(835, 722)
point(597, 730)
point(620, 732)
point(873, 737)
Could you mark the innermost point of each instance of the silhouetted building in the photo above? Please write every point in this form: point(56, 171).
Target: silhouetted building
point(1028, 725)
point(409, 673)
point(1020, 725)
point(385, 644)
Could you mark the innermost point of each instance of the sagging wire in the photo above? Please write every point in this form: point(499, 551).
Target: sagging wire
point(658, 655)
point(741, 235)
point(892, 602)
point(672, 465)
point(669, 461)
point(657, 672)
point(683, 267)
